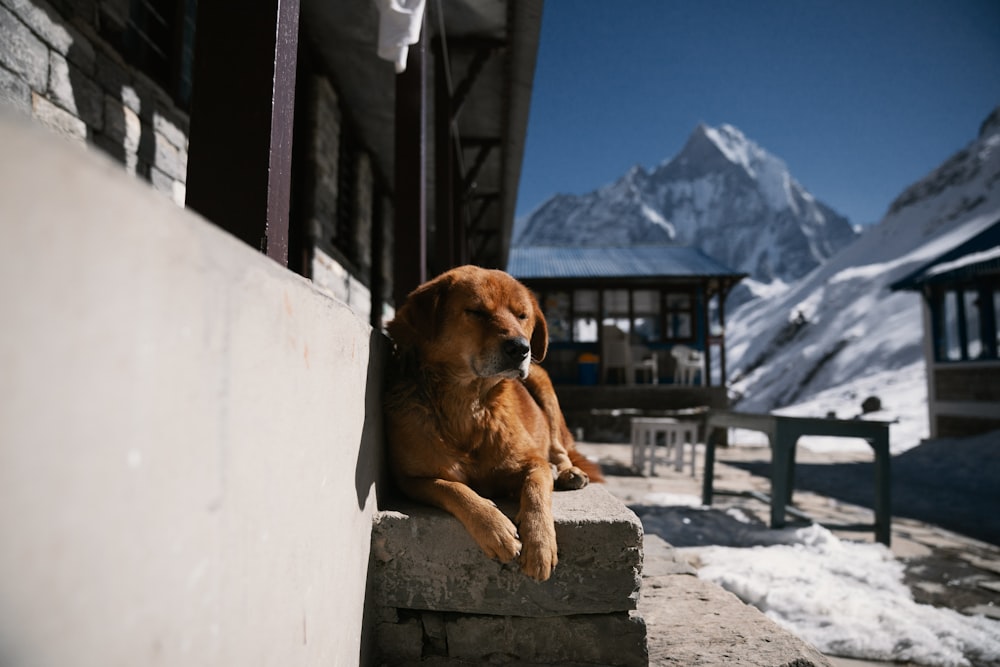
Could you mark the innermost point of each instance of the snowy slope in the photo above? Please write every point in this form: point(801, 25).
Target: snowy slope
point(722, 193)
point(839, 334)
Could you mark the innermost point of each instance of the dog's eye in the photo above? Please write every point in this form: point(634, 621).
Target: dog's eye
point(477, 313)
point(522, 316)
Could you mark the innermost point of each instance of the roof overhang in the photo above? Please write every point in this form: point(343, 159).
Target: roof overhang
point(973, 259)
point(490, 48)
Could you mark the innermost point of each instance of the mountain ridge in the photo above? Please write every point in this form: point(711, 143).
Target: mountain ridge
point(841, 323)
point(722, 193)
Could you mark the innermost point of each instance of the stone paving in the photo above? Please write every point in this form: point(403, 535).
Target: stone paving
point(942, 568)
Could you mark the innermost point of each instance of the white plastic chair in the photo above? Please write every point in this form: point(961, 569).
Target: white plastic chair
point(688, 365)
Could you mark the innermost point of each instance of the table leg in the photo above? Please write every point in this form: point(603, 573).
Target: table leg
point(706, 484)
point(681, 438)
point(782, 457)
point(883, 496)
point(653, 433)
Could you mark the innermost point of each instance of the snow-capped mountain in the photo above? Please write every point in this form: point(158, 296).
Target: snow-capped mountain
point(722, 193)
point(839, 334)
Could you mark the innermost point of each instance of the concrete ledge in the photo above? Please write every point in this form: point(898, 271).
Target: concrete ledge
point(691, 622)
point(424, 559)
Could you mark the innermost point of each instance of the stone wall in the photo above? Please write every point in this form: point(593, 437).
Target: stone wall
point(56, 69)
point(339, 180)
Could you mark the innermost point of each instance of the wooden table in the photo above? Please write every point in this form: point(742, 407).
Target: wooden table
point(783, 433)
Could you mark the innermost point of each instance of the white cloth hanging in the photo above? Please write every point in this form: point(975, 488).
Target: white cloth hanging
point(398, 28)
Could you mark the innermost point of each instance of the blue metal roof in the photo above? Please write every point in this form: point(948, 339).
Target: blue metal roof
point(646, 261)
point(949, 267)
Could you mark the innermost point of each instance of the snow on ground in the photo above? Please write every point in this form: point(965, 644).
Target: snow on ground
point(846, 598)
point(849, 599)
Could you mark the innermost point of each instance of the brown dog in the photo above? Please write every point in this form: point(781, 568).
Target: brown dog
point(469, 416)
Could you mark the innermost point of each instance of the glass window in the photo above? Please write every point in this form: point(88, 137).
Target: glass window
point(951, 346)
point(646, 308)
point(679, 312)
point(974, 342)
point(678, 301)
point(616, 309)
point(585, 301)
point(555, 305)
point(715, 315)
point(585, 316)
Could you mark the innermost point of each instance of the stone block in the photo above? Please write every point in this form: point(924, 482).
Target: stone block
point(598, 639)
point(74, 91)
point(121, 125)
point(14, 93)
point(50, 26)
point(22, 52)
point(401, 642)
point(167, 185)
point(168, 158)
point(58, 119)
point(470, 639)
point(425, 559)
point(174, 130)
point(111, 74)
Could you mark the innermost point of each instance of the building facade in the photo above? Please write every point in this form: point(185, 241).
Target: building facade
point(654, 299)
point(961, 307)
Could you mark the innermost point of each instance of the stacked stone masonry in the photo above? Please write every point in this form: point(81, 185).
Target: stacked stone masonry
point(55, 68)
point(441, 601)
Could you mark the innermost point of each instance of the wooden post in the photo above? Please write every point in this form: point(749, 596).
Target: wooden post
point(242, 111)
point(410, 219)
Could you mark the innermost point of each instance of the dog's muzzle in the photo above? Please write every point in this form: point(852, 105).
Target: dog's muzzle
point(510, 359)
point(517, 355)
point(516, 350)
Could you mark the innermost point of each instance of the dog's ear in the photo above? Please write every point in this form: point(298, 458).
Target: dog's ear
point(418, 319)
point(540, 334)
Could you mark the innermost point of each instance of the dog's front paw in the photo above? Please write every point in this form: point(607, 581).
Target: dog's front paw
point(539, 553)
point(496, 535)
point(571, 479)
point(538, 559)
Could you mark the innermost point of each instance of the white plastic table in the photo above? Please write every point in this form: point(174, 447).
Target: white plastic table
point(675, 434)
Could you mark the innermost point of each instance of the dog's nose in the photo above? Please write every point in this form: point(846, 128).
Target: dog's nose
point(516, 348)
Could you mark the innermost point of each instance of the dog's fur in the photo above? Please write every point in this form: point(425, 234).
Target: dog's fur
point(471, 415)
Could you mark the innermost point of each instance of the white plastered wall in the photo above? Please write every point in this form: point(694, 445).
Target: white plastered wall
point(189, 433)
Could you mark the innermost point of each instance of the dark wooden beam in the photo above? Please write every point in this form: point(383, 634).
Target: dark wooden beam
point(469, 180)
point(242, 110)
point(464, 87)
point(410, 217)
point(445, 168)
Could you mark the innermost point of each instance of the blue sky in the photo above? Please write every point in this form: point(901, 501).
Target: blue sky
point(859, 97)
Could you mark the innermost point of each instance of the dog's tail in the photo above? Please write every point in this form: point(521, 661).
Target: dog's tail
point(592, 469)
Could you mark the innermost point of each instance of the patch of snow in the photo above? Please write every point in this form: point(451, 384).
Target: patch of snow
point(849, 599)
point(974, 258)
point(659, 220)
point(671, 500)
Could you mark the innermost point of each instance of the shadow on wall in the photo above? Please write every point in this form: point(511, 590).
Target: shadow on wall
point(370, 469)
